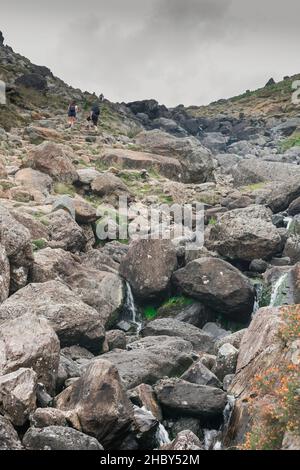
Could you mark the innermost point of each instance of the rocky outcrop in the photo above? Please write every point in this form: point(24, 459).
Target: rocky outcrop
point(73, 320)
point(148, 267)
point(9, 439)
point(185, 440)
point(218, 285)
point(99, 403)
point(64, 232)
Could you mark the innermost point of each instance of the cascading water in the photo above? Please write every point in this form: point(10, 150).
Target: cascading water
point(277, 290)
point(212, 437)
point(130, 308)
point(162, 436)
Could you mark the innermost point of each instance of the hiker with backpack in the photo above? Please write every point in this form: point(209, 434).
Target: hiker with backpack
point(72, 113)
point(94, 115)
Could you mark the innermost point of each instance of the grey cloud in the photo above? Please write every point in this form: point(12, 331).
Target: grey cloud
point(178, 51)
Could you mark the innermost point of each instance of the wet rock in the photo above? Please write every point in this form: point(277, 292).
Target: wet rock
point(143, 396)
point(59, 438)
point(146, 426)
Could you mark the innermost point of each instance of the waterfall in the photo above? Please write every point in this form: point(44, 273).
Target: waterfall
point(288, 221)
point(213, 437)
point(131, 308)
point(162, 435)
point(277, 290)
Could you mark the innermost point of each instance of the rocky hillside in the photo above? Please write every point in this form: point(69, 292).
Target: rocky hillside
point(133, 343)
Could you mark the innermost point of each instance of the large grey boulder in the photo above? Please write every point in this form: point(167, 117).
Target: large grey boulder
point(148, 267)
point(200, 340)
point(53, 159)
point(201, 375)
point(16, 240)
point(180, 398)
point(100, 403)
point(253, 170)
point(64, 232)
point(185, 440)
point(9, 439)
point(59, 438)
point(18, 395)
point(4, 275)
point(102, 290)
point(196, 160)
point(30, 342)
point(245, 234)
point(151, 359)
point(218, 285)
point(74, 321)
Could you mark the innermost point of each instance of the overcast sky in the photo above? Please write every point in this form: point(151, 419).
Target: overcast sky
point(176, 51)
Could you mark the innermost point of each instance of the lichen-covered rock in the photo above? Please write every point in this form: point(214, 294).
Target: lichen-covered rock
point(59, 438)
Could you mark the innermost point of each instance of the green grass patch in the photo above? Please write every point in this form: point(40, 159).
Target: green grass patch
point(293, 141)
point(62, 189)
point(150, 312)
point(39, 244)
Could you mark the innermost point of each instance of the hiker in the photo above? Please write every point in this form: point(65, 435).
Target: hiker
point(72, 113)
point(94, 115)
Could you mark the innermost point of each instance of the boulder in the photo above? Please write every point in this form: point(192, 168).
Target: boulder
point(64, 232)
point(9, 439)
point(294, 207)
point(34, 180)
point(37, 229)
point(245, 234)
point(100, 403)
point(180, 398)
point(170, 327)
point(253, 170)
point(143, 396)
point(226, 361)
point(218, 285)
point(30, 342)
point(151, 359)
point(87, 175)
point(18, 395)
point(45, 417)
point(116, 339)
point(59, 438)
point(201, 375)
point(185, 440)
point(148, 267)
point(4, 275)
point(55, 160)
point(16, 240)
point(129, 159)
point(146, 426)
point(32, 80)
point(282, 195)
point(196, 160)
point(102, 290)
point(85, 213)
point(108, 184)
point(74, 321)
point(234, 339)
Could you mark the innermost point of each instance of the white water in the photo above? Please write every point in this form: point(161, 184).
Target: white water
point(276, 289)
point(212, 437)
point(162, 436)
point(288, 221)
point(131, 308)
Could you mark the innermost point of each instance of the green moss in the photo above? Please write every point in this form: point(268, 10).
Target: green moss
point(39, 244)
point(253, 187)
point(62, 188)
point(293, 141)
point(150, 312)
point(212, 221)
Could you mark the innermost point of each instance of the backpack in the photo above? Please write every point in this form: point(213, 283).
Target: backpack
point(72, 109)
point(96, 110)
